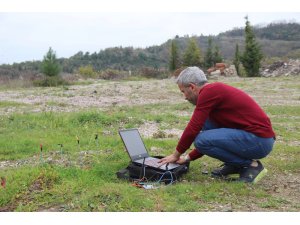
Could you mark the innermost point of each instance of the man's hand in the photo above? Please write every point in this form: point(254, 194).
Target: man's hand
point(170, 158)
point(181, 160)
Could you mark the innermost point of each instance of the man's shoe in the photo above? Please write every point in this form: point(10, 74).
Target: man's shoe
point(252, 174)
point(224, 171)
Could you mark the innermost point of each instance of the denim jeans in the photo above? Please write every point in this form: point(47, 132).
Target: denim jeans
point(232, 146)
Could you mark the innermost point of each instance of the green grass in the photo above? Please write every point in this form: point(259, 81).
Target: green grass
point(97, 189)
point(4, 104)
point(284, 111)
point(52, 129)
point(76, 181)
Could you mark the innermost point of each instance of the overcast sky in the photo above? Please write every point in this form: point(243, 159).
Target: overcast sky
point(26, 36)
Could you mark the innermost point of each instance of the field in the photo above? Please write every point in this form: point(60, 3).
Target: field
point(72, 176)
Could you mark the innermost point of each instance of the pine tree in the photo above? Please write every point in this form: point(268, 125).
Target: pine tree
point(236, 60)
point(208, 59)
point(192, 55)
point(217, 58)
point(252, 55)
point(50, 66)
point(174, 62)
point(212, 55)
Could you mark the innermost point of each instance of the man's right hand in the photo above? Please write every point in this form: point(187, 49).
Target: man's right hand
point(169, 159)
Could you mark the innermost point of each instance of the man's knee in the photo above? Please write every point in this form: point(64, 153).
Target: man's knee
point(201, 142)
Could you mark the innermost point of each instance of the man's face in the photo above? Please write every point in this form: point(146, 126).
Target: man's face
point(189, 93)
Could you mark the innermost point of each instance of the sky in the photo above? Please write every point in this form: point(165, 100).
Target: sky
point(26, 35)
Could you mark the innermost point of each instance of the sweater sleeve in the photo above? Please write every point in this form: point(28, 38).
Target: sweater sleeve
point(208, 99)
point(194, 154)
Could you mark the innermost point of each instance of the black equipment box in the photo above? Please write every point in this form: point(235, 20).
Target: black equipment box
point(135, 172)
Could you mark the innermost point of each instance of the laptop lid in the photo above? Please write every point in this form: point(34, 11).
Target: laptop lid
point(134, 144)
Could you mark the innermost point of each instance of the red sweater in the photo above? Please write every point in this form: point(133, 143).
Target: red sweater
point(228, 107)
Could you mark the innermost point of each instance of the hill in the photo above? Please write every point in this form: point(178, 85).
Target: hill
point(275, 39)
point(273, 31)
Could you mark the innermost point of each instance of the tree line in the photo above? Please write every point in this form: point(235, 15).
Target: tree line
point(192, 56)
point(250, 59)
point(289, 31)
point(157, 58)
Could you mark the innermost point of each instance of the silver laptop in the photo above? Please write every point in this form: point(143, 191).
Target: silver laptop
point(138, 153)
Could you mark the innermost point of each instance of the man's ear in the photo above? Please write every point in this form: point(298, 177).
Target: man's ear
point(192, 86)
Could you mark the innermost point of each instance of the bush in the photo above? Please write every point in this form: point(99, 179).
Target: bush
point(153, 73)
point(87, 71)
point(111, 74)
point(50, 82)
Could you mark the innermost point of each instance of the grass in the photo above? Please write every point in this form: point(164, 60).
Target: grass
point(98, 190)
point(82, 177)
point(50, 129)
point(4, 104)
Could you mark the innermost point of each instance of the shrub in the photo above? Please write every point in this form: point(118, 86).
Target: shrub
point(50, 82)
point(149, 72)
point(87, 71)
point(111, 74)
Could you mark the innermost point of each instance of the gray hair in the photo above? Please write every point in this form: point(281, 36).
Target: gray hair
point(191, 75)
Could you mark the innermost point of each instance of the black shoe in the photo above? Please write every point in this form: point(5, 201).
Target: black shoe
point(224, 171)
point(252, 174)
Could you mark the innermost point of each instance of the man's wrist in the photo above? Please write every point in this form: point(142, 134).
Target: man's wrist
point(177, 154)
point(187, 158)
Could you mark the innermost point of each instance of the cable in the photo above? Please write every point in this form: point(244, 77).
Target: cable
point(143, 168)
point(164, 175)
point(157, 177)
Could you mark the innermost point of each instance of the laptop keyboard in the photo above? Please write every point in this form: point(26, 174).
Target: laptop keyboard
point(151, 162)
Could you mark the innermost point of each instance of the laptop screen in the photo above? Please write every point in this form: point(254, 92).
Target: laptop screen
point(133, 144)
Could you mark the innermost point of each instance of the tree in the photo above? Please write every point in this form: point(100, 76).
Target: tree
point(236, 60)
point(192, 55)
point(212, 55)
point(50, 66)
point(217, 58)
point(208, 59)
point(252, 55)
point(174, 62)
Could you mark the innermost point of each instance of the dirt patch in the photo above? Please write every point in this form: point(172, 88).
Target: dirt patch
point(285, 186)
point(98, 95)
point(103, 95)
point(82, 159)
point(173, 132)
point(284, 191)
point(8, 208)
point(148, 129)
point(151, 129)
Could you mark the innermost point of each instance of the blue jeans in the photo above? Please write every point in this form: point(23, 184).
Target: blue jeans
point(232, 146)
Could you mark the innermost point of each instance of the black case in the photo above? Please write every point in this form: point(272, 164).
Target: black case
point(136, 171)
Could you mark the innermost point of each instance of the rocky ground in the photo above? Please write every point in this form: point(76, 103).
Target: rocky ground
point(282, 68)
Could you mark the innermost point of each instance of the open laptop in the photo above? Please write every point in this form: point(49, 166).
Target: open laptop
point(137, 151)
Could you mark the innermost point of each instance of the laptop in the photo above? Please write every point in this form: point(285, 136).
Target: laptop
point(137, 151)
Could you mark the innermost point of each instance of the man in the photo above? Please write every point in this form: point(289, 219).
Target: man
point(227, 124)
